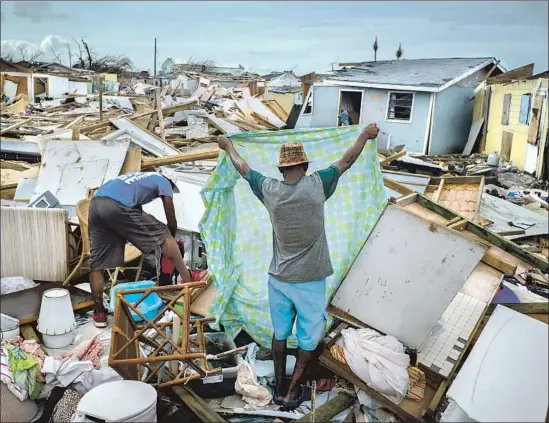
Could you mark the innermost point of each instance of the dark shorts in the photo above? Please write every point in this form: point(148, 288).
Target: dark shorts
point(111, 224)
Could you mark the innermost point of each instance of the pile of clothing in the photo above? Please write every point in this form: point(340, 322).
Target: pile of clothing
point(381, 362)
point(21, 367)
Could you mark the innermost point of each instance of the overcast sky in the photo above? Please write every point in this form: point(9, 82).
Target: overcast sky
point(264, 36)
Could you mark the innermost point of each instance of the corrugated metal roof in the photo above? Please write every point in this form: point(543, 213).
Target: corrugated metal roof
point(414, 72)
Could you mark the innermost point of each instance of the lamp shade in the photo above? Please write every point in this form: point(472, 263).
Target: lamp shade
point(56, 316)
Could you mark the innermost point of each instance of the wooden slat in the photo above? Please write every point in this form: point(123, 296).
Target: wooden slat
point(15, 126)
point(524, 308)
point(211, 153)
point(197, 405)
point(395, 186)
point(393, 157)
point(28, 333)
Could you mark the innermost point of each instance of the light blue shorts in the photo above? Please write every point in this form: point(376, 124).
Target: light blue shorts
point(304, 300)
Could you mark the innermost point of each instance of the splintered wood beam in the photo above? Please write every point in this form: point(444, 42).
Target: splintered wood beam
point(211, 153)
point(15, 126)
point(160, 115)
point(326, 411)
point(393, 157)
point(197, 405)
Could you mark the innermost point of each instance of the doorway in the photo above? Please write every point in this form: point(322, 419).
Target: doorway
point(350, 101)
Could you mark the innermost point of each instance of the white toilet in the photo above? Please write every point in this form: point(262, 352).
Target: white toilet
point(119, 401)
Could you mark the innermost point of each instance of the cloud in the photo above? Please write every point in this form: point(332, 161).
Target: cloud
point(37, 11)
point(20, 49)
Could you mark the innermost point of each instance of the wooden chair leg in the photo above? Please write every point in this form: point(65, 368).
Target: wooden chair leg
point(78, 265)
point(139, 267)
point(114, 278)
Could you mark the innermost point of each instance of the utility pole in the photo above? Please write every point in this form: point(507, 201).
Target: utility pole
point(155, 57)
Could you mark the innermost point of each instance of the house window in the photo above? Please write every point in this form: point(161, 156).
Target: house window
point(400, 106)
point(309, 106)
point(525, 109)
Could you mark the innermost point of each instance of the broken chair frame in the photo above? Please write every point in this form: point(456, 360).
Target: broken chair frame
point(125, 355)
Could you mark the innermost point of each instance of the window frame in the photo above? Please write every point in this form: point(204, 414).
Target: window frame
point(389, 120)
point(528, 112)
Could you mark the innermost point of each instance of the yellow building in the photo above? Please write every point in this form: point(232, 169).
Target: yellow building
point(514, 108)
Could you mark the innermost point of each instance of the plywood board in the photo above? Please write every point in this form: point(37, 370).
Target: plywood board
point(504, 378)
point(405, 276)
point(473, 135)
point(61, 154)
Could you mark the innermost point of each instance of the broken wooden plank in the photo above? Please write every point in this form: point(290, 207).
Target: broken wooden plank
point(28, 333)
point(459, 225)
point(99, 125)
point(395, 186)
point(74, 122)
point(524, 308)
point(160, 116)
point(392, 157)
point(438, 192)
point(496, 262)
point(454, 220)
point(15, 126)
point(211, 153)
point(511, 232)
point(197, 405)
point(329, 409)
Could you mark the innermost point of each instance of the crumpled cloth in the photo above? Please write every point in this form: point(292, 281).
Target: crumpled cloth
point(25, 370)
point(33, 348)
point(81, 374)
point(247, 385)
point(418, 383)
point(90, 350)
point(6, 376)
point(380, 361)
point(237, 230)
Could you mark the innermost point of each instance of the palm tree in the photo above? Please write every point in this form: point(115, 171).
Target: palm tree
point(399, 52)
point(375, 50)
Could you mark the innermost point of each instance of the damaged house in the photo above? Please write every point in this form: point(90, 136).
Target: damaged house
point(282, 87)
point(512, 110)
point(422, 104)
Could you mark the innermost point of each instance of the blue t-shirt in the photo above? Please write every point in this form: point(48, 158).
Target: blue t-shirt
point(136, 189)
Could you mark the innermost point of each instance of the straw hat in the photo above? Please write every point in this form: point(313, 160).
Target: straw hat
point(291, 154)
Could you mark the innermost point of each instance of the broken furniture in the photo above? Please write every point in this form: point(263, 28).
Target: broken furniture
point(131, 252)
point(34, 243)
point(176, 355)
point(440, 353)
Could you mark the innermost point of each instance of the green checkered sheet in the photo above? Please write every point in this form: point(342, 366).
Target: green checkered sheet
point(237, 231)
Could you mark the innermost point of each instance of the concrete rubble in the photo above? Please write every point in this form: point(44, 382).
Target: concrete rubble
point(57, 146)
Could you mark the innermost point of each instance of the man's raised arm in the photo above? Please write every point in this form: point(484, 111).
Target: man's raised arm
point(240, 164)
point(350, 156)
